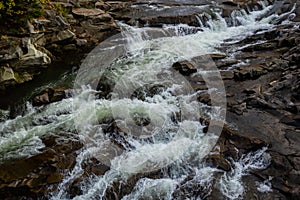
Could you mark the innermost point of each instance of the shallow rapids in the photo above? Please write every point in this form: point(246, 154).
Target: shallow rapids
point(160, 130)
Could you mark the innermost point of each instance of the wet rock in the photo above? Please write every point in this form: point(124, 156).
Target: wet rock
point(54, 178)
point(249, 72)
point(231, 140)
point(158, 16)
point(41, 99)
point(119, 189)
point(95, 166)
point(185, 68)
point(147, 91)
point(191, 187)
point(225, 64)
point(219, 161)
point(227, 75)
point(230, 3)
point(240, 108)
point(37, 175)
point(204, 98)
point(261, 46)
point(217, 56)
point(50, 95)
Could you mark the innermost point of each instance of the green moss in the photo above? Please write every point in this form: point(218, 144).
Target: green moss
point(14, 14)
point(61, 10)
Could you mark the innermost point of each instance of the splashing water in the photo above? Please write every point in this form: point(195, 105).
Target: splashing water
point(231, 183)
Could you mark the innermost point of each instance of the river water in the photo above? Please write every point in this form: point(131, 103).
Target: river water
point(160, 130)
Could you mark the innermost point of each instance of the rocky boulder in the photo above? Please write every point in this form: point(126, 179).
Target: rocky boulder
point(33, 57)
point(7, 74)
point(50, 95)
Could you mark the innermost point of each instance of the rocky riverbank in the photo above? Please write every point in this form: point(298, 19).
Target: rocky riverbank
point(65, 35)
point(261, 76)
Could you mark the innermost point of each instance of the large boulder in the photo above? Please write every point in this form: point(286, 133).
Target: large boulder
point(33, 57)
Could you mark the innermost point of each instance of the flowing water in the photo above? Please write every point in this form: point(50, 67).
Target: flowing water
point(160, 131)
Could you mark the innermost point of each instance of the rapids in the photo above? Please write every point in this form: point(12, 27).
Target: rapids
point(171, 138)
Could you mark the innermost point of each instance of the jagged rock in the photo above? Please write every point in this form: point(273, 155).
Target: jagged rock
point(10, 49)
point(261, 46)
point(102, 5)
point(249, 72)
point(225, 64)
point(81, 42)
point(185, 67)
point(50, 95)
point(63, 36)
point(70, 47)
point(41, 99)
point(230, 3)
point(244, 143)
point(61, 21)
point(84, 12)
point(204, 98)
point(66, 5)
point(217, 56)
point(239, 109)
point(37, 25)
point(37, 175)
point(227, 75)
point(8, 77)
point(33, 57)
point(86, 3)
point(143, 15)
point(101, 18)
point(121, 6)
point(7, 74)
point(219, 161)
point(147, 91)
point(54, 178)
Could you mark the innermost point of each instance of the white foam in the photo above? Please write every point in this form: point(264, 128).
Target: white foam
point(231, 184)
